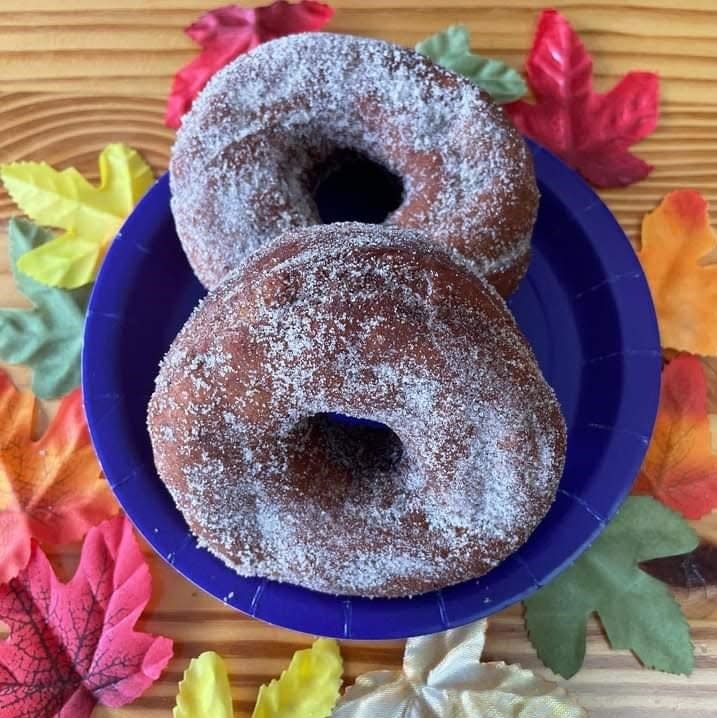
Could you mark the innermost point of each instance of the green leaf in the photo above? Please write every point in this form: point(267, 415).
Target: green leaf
point(636, 610)
point(451, 49)
point(48, 337)
point(451, 42)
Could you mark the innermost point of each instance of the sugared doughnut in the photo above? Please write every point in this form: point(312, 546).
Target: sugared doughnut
point(270, 126)
point(458, 452)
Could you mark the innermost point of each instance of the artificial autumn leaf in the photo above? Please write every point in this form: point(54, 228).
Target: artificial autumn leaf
point(680, 468)
point(90, 216)
point(694, 570)
point(452, 49)
point(230, 31)
point(637, 611)
point(48, 337)
point(443, 677)
point(52, 489)
point(205, 692)
point(590, 131)
point(73, 645)
point(675, 238)
point(308, 688)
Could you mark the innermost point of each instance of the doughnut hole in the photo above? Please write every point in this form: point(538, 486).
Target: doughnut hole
point(352, 187)
point(359, 443)
point(351, 455)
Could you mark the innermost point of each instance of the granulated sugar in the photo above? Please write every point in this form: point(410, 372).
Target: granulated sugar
point(251, 151)
point(377, 324)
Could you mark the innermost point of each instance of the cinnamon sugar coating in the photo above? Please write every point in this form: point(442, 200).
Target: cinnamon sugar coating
point(252, 150)
point(370, 322)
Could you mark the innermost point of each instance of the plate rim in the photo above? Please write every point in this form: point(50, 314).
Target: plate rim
point(586, 209)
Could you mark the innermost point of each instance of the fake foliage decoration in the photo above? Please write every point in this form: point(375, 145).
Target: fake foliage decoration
point(443, 677)
point(73, 645)
point(452, 50)
point(51, 490)
point(591, 132)
point(204, 691)
point(48, 337)
point(91, 216)
point(680, 468)
point(676, 238)
point(637, 611)
point(308, 688)
point(230, 31)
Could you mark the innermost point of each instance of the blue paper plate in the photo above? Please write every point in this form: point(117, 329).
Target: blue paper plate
point(584, 306)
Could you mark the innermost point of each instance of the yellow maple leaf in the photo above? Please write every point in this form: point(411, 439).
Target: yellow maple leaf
point(204, 692)
point(308, 688)
point(676, 237)
point(90, 216)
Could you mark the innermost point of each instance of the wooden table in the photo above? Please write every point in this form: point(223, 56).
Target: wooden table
point(77, 74)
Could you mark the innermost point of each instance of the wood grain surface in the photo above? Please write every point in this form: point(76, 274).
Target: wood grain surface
point(77, 74)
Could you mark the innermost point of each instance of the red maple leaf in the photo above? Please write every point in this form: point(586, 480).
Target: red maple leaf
point(680, 468)
point(72, 645)
point(591, 132)
point(230, 31)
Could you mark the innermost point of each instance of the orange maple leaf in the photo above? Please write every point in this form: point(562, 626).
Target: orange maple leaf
point(675, 238)
point(680, 468)
point(52, 489)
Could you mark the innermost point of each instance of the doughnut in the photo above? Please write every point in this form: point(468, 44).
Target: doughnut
point(352, 411)
point(273, 125)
